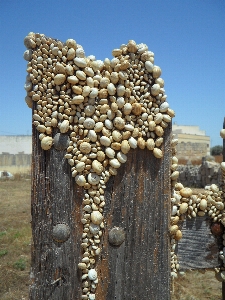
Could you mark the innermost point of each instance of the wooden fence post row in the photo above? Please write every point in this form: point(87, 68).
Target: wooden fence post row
point(104, 176)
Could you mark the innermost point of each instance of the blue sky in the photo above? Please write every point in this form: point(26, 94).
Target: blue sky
point(187, 37)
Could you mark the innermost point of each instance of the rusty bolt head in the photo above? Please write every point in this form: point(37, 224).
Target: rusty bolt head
point(116, 236)
point(61, 141)
point(60, 233)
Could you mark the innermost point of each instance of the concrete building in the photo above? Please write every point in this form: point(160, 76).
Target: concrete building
point(15, 153)
point(193, 144)
point(15, 144)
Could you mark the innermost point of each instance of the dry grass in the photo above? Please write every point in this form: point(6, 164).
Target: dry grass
point(15, 238)
point(197, 286)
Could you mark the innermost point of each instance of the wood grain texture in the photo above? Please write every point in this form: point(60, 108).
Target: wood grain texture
point(198, 248)
point(137, 200)
point(55, 199)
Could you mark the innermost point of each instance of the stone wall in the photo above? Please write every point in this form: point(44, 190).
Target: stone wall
point(191, 149)
point(199, 176)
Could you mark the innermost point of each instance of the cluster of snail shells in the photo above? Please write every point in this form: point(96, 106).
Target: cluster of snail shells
point(186, 204)
point(220, 272)
point(222, 166)
point(107, 108)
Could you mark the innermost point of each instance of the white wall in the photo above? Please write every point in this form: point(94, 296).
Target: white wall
point(187, 129)
point(14, 144)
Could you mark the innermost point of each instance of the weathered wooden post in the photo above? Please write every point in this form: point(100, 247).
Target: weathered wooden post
point(106, 236)
point(137, 202)
point(102, 210)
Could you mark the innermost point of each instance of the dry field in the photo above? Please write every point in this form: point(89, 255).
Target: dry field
point(15, 239)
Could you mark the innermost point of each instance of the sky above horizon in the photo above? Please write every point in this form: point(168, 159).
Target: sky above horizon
point(187, 38)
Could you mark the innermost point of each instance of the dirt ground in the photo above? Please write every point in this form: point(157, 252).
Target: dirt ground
point(15, 241)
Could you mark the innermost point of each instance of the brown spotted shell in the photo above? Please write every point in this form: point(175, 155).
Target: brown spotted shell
point(136, 109)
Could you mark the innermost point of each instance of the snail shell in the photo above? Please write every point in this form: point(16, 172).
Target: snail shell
point(127, 108)
point(157, 153)
point(222, 133)
point(80, 166)
point(174, 175)
point(72, 79)
point(111, 89)
point(64, 127)
point(178, 235)
point(132, 142)
point(59, 79)
point(156, 72)
point(150, 144)
point(164, 107)
point(97, 167)
point(89, 123)
point(132, 47)
point(117, 136)
point(119, 123)
point(80, 180)
point(115, 163)
point(222, 165)
point(93, 178)
point(116, 52)
point(27, 55)
point(149, 66)
point(186, 192)
point(136, 109)
point(121, 157)
point(80, 52)
point(96, 217)
point(46, 143)
point(81, 75)
point(125, 147)
point(155, 89)
point(141, 143)
point(80, 62)
point(183, 208)
point(85, 147)
point(105, 141)
point(94, 228)
point(110, 152)
point(173, 229)
point(92, 274)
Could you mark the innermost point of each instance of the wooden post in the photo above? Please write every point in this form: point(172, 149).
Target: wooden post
point(137, 201)
point(198, 248)
point(128, 256)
